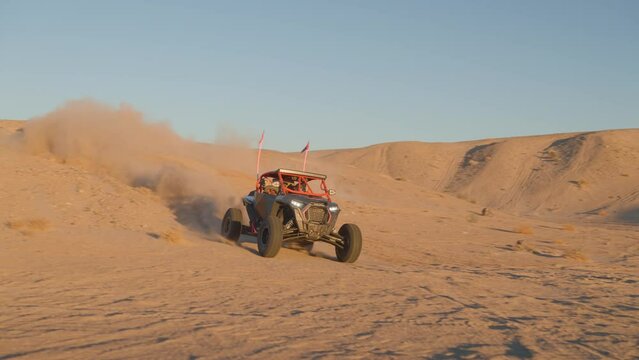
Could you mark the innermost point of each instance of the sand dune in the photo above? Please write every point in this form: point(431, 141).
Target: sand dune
point(564, 175)
point(520, 247)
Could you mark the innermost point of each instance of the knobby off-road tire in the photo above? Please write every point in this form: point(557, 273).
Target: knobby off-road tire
point(269, 237)
point(232, 224)
point(352, 237)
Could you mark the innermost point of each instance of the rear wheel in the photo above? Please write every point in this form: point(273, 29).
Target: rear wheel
point(352, 239)
point(269, 237)
point(232, 224)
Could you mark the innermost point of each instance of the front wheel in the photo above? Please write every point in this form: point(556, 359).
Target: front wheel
point(269, 237)
point(232, 224)
point(352, 239)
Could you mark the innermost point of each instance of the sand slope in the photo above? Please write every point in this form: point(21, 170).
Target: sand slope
point(97, 264)
point(550, 176)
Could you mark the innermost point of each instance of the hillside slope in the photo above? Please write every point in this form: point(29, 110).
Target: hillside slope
point(581, 175)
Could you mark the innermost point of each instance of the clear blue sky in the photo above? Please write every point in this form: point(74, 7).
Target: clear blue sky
point(337, 73)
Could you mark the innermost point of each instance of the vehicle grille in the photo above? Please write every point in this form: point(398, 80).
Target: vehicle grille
point(317, 214)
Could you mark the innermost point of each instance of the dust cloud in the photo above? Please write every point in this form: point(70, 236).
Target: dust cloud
point(117, 141)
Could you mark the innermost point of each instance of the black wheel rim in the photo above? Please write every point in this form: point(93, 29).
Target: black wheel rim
point(343, 251)
point(345, 245)
point(264, 237)
point(226, 224)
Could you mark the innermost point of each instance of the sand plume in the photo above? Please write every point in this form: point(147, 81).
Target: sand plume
point(120, 142)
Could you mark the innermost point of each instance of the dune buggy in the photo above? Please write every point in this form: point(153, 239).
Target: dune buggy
point(292, 208)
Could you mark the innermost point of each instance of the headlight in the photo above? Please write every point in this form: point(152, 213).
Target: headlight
point(297, 204)
point(333, 208)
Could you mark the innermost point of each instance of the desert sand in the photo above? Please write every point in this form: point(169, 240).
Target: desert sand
point(522, 247)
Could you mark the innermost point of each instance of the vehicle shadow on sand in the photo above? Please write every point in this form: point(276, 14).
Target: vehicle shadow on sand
point(249, 243)
point(247, 239)
point(322, 255)
point(630, 216)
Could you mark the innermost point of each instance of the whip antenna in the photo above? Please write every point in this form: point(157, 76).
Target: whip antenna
point(259, 154)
